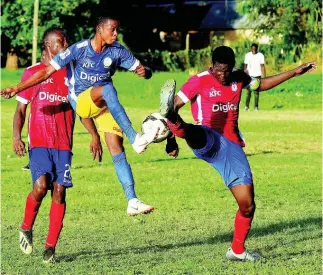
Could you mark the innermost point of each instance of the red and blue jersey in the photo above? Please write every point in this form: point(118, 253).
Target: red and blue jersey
point(213, 104)
point(51, 118)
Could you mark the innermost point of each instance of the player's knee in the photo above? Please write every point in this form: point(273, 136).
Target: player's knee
point(40, 189)
point(247, 209)
point(59, 194)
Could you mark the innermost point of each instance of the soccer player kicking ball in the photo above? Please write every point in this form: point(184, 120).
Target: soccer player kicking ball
point(50, 131)
point(90, 64)
point(215, 96)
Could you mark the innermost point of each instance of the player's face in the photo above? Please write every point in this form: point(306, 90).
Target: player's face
point(57, 42)
point(222, 72)
point(109, 31)
point(253, 49)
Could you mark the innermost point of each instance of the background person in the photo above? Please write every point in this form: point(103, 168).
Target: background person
point(254, 65)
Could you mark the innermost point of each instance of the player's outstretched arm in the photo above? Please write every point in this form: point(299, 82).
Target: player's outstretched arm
point(19, 118)
point(95, 145)
point(35, 79)
point(143, 71)
point(272, 81)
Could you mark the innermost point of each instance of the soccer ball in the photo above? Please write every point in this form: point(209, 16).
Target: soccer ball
point(152, 122)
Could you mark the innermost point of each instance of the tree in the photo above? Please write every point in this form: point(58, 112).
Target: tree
point(17, 22)
point(292, 24)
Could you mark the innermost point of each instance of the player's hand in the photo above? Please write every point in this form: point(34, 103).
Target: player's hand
point(172, 148)
point(305, 68)
point(9, 92)
point(140, 70)
point(19, 147)
point(96, 148)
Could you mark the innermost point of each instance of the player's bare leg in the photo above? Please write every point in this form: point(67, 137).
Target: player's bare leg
point(244, 195)
point(125, 176)
point(33, 203)
point(107, 96)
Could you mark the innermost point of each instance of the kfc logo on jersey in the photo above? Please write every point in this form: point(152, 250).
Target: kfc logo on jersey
point(47, 81)
point(224, 107)
point(234, 86)
point(52, 97)
point(214, 93)
point(88, 64)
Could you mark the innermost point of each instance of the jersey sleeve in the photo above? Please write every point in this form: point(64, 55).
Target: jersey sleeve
point(63, 58)
point(26, 95)
point(190, 89)
point(127, 60)
point(262, 59)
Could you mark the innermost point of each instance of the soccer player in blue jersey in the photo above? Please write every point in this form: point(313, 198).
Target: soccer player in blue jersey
point(90, 64)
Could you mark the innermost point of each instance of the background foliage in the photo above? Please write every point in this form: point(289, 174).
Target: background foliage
point(294, 27)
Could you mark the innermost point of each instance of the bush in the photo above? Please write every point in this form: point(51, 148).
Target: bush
point(198, 60)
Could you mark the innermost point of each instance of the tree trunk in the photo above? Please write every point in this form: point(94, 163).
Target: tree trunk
point(12, 61)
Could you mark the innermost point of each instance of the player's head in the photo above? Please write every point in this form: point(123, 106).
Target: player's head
point(254, 48)
point(223, 60)
point(107, 27)
point(54, 41)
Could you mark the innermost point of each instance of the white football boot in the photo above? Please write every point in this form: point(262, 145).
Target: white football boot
point(142, 140)
point(26, 241)
point(245, 256)
point(136, 207)
point(167, 93)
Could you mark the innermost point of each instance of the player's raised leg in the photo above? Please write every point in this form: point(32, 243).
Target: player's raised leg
point(194, 135)
point(107, 96)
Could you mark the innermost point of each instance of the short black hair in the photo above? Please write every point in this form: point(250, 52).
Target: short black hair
point(50, 31)
point(254, 45)
point(105, 16)
point(223, 55)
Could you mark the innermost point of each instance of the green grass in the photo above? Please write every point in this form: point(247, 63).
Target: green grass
point(191, 228)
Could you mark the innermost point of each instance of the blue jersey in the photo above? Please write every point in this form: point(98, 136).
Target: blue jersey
point(87, 68)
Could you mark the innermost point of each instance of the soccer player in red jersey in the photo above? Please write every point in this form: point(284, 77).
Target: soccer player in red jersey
point(50, 130)
point(215, 96)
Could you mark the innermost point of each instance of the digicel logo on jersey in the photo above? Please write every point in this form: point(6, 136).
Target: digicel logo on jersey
point(94, 78)
point(52, 97)
point(224, 107)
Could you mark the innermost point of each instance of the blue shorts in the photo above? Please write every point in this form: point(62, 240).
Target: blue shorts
point(227, 157)
point(53, 162)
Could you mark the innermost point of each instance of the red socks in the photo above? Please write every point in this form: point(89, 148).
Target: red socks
point(242, 227)
point(56, 216)
point(31, 211)
point(177, 128)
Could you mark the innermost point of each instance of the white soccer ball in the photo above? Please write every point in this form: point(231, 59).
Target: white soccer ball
point(154, 121)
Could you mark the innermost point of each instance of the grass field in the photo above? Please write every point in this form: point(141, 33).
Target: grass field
point(191, 228)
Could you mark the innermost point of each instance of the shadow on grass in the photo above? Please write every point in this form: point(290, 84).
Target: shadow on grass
point(261, 153)
point(172, 159)
point(300, 226)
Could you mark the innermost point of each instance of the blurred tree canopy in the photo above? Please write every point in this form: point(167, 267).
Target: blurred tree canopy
point(17, 22)
point(292, 24)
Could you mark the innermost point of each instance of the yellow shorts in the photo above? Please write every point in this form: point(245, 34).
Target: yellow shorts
point(105, 122)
